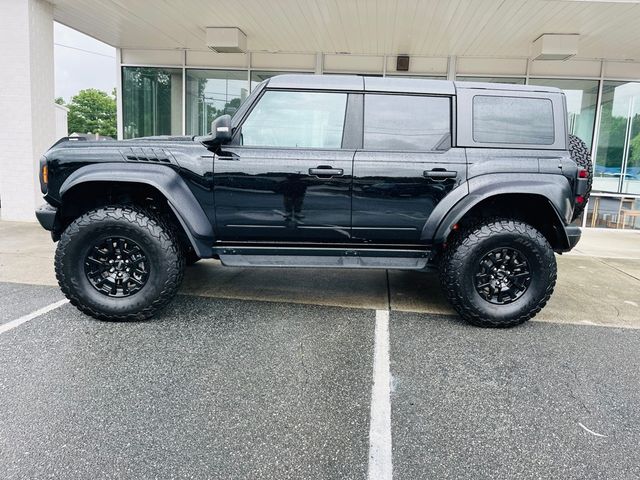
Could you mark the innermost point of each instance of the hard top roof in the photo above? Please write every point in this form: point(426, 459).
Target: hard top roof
point(389, 84)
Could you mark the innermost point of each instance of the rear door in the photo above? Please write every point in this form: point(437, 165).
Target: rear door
point(405, 168)
point(286, 177)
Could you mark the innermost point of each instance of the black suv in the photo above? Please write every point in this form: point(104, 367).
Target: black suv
point(481, 181)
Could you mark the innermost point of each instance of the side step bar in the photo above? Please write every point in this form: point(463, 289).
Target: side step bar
point(252, 256)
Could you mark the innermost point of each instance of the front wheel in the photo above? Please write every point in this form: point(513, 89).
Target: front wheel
point(119, 263)
point(499, 273)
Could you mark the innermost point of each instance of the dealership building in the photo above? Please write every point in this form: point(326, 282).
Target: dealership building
point(180, 64)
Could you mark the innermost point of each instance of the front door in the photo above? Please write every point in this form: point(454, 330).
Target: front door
point(406, 166)
point(286, 177)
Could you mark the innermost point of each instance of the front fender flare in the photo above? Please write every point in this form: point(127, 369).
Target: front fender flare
point(168, 182)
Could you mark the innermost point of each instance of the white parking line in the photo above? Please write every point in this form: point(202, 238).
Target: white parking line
point(5, 327)
point(380, 465)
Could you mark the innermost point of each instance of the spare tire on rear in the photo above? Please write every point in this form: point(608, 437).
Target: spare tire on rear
point(580, 154)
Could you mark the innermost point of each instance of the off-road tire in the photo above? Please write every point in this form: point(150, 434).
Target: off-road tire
point(462, 256)
point(580, 154)
point(147, 229)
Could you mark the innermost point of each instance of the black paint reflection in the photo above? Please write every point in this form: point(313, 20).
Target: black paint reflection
point(293, 191)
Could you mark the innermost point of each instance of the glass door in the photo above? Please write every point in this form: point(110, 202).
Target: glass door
point(617, 159)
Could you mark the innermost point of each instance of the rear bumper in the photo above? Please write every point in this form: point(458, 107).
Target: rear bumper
point(46, 215)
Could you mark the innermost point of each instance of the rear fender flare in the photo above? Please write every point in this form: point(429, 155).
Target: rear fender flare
point(554, 188)
point(168, 182)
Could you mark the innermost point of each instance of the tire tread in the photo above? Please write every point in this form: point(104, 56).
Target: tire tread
point(462, 246)
point(155, 226)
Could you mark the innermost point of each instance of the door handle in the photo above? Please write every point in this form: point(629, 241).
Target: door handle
point(326, 171)
point(440, 174)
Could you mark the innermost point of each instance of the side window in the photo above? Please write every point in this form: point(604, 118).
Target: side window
point(296, 119)
point(514, 120)
point(407, 122)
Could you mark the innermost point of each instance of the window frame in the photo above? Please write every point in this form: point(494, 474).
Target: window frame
point(465, 117)
point(451, 100)
point(235, 141)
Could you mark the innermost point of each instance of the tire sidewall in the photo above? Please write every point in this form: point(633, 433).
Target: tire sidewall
point(540, 261)
point(76, 247)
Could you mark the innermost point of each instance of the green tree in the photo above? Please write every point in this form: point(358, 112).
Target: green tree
point(92, 111)
point(59, 100)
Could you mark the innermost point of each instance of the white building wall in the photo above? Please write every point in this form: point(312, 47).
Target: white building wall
point(27, 115)
point(62, 124)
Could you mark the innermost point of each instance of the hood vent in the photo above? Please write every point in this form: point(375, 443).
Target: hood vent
point(146, 154)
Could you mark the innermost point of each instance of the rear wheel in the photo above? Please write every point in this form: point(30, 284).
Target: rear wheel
point(498, 273)
point(119, 263)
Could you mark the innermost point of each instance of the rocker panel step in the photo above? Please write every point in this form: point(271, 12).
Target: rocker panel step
point(322, 258)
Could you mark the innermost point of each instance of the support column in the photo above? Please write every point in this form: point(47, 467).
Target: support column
point(27, 116)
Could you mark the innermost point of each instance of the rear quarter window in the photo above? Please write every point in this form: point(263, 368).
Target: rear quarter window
point(513, 120)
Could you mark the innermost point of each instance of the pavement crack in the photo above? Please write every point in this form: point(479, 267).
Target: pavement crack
point(617, 269)
point(572, 393)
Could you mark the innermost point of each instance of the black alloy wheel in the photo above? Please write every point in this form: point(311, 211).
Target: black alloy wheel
point(503, 276)
point(119, 262)
point(498, 272)
point(117, 267)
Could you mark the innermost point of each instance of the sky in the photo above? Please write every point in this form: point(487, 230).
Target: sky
point(81, 62)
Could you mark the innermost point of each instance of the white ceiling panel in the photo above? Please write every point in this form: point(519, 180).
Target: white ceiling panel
point(498, 28)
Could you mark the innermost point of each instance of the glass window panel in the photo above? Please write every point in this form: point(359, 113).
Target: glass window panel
point(211, 93)
point(403, 122)
point(618, 139)
point(613, 212)
point(151, 101)
point(513, 120)
point(631, 173)
point(258, 76)
point(582, 96)
point(509, 80)
point(296, 119)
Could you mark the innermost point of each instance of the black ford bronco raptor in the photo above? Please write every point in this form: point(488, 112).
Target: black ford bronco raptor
point(481, 181)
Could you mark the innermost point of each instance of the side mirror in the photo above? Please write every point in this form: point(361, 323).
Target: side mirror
point(221, 129)
point(220, 132)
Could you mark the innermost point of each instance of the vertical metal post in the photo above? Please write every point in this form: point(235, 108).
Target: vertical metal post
point(249, 70)
point(594, 138)
point(596, 126)
point(319, 70)
point(184, 92)
point(452, 67)
point(119, 104)
point(627, 142)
